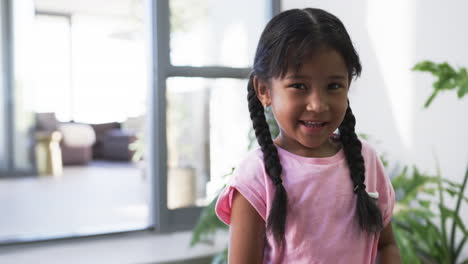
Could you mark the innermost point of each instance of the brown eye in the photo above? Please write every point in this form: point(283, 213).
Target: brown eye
point(299, 86)
point(334, 86)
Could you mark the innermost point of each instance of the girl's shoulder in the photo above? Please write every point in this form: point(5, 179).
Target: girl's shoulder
point(253, 157)
point(249, 179)
point(367, 149)
point(250, 166)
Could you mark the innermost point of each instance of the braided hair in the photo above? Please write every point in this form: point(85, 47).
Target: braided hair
point(277, 218)
point(285, 41)
point(369, 216)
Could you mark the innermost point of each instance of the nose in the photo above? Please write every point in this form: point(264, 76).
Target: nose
point(317, 102)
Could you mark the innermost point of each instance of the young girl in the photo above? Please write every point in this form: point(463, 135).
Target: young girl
point(309, 195)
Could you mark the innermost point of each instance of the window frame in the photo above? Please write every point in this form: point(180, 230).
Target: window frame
point(6, 101)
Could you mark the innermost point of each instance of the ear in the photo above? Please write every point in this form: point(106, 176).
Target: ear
point(262, 90)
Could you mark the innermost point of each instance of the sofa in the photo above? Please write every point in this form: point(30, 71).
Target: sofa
point(82, 143)
point(77, 143)
point(112, 142)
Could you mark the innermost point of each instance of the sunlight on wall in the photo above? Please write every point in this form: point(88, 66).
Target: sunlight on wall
point(393, 54)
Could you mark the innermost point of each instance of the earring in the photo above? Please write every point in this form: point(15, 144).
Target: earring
point(267, 108)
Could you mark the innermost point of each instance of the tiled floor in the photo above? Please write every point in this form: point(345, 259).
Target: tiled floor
point(98, 198)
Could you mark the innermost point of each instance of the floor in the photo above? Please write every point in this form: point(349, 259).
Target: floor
point(130, 248)
point(99, 198)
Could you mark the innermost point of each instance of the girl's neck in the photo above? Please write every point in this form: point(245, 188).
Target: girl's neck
point(327, 149)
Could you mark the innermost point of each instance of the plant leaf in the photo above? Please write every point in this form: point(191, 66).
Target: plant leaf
point(425, 203)
point(447, 78)
point(430, 99)
point(207, 225)
point(452, 183)
point(220, 258)
point(451, 192)
point(425, 66)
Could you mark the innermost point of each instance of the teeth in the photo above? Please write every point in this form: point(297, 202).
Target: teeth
point(313, 124)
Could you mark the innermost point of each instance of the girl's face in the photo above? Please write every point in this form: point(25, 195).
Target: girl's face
point(309, 104)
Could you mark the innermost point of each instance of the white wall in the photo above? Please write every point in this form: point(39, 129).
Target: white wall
point(387, 100)
point(392, 36)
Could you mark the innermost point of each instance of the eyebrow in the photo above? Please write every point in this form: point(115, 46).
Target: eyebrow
point(331, 77)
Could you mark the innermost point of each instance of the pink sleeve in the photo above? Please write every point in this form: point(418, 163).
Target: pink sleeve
point(248, 180)
point(378, 181)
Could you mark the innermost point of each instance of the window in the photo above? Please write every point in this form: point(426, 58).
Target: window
point(196, 105)
point(203, 51)
point(89, 66)
point(52, 66)
point(207, 133)
point(87, 70)
point(221, 33)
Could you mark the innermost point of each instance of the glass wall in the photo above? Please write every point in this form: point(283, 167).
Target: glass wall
point(81, 73)
point(80, 89)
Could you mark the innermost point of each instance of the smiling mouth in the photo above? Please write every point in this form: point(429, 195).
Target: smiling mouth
point(313, 124)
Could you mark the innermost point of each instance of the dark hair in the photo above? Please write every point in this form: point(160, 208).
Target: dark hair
point(285, 41)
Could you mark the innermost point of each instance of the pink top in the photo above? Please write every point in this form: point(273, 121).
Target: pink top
point(321, 225)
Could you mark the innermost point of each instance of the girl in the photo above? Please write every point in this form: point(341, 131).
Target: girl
point(309, 195)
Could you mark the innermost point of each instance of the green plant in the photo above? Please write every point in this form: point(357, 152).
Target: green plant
point(409, 187)
point(424, 236)
point(415, 225)
point(449, 250)
point(208, 223)
point(421, 234)
point(447, 78)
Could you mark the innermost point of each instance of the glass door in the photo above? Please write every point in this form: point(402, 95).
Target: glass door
point(79, 95)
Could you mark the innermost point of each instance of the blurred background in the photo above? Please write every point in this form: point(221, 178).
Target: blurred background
point(119, 118)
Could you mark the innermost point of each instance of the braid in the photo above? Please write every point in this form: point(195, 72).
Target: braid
point(277, 218)
point(369, 215)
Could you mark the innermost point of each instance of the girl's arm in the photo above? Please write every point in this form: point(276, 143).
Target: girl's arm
point(247, 233)
point(388, 251)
